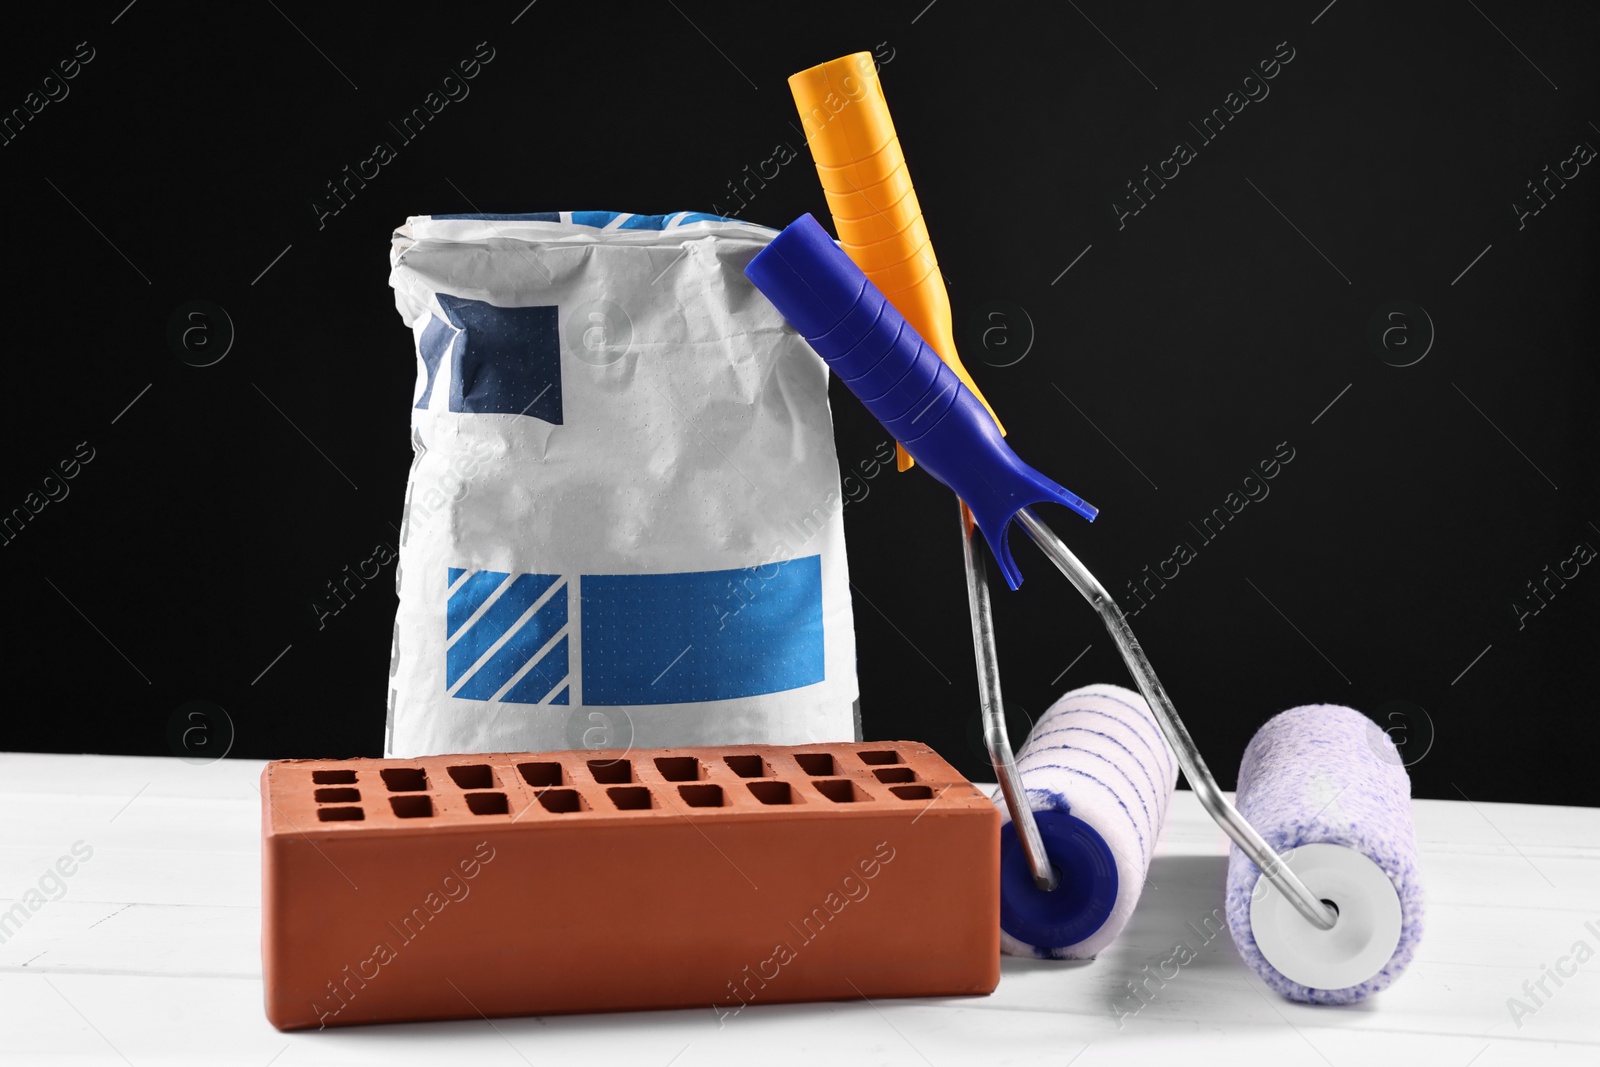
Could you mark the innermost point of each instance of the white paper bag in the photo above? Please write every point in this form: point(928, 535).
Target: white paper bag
point(623, 520)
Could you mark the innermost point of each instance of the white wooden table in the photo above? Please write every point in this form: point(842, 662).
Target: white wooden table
point(148, 955)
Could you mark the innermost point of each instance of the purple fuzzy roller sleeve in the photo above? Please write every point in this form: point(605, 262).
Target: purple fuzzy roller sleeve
point(1326, 786)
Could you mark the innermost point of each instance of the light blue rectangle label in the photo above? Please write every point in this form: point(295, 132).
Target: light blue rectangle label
point(702, 635)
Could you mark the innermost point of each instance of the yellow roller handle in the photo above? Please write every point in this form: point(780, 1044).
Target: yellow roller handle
point(875, 209)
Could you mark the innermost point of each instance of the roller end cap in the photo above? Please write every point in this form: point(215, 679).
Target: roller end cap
point(1075, 909)
point(1362, 941)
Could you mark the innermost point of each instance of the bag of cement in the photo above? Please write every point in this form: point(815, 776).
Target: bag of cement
point(623, 521)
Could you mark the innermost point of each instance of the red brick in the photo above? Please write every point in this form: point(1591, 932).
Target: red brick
point(515, 884)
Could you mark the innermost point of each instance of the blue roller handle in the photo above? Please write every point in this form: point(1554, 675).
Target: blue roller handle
point(903, 382)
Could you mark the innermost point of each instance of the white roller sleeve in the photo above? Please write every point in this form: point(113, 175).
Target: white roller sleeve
point(1098, 754)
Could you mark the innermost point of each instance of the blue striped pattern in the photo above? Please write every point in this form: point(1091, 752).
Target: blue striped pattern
point(503, 612)
point(1116, 795)
point(546, 674)
point(496, 633)
point(518, 649)
point(1112, 747)
point(1143, 771)
point(469, 597)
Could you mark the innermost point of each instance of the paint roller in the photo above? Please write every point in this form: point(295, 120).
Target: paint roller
point(1326, 786)
point(1092, 785)
point(1363, 927)
point(1098, 777)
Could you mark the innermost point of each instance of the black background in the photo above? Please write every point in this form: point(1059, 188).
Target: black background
point(1223, 319)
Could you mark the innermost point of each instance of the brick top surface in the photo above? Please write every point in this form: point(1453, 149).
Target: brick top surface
point(533, 789)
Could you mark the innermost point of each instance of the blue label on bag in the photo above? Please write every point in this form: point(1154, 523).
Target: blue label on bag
point(702, 635)
point(503, 360)
point(499, 633)
point(675, 638)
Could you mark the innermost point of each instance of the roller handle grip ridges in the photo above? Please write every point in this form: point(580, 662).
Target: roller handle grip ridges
point(875, 210)
point(903, 382)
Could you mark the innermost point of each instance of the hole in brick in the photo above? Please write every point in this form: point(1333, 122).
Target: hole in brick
point(771, 792)
point(611, 771)
point(540, 775)
point(815, 763)
point(488, 804)
point(473, 776)
point(562, 801)
point(330, 796)
point(701, 796)
point(340, 814)
point(912, 792)
point(333, 777)
point(840, 791)
point(882, 755)
point(412, 807)
point(405, 779)
point(745, 766)
point(630, 798)
point(678, 768)
point(895, 774)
